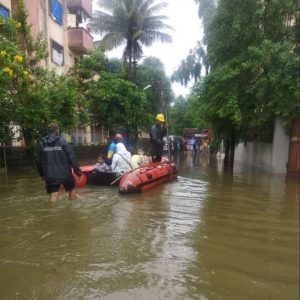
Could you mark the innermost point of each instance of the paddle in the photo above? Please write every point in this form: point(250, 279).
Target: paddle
point(117, 180)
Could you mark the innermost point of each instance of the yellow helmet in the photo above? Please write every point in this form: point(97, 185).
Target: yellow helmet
point(160, 117)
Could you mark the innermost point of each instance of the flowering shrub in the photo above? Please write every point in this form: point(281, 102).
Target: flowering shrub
point(12, 62)
point(30, 96)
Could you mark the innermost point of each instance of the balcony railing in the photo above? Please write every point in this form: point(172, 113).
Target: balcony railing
point(80, 40)
point(75, 5)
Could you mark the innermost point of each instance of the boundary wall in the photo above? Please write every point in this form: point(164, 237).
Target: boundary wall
point(272, 157)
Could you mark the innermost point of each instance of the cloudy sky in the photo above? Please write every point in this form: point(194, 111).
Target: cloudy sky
point(183, 17)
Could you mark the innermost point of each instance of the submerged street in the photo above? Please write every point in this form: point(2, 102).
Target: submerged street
point(208, 235)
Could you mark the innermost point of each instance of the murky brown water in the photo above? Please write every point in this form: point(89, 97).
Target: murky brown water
point(209, 235)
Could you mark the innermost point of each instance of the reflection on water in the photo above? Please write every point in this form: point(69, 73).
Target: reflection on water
point(210, 235)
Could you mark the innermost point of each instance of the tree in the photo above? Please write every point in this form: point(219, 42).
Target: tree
point(253, 62)
point(12, 69)
point(112, 100)
point(151, 73)
point(32, 96)
point(134, 22)
point(181, 116)
point(191, 67)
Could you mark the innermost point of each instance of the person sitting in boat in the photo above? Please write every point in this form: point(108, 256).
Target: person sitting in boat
point(157, 134)
point(121, 160)
point(118, 138)
point(138, 158)
point(101, 166)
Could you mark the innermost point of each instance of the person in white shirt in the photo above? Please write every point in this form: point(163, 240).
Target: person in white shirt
point(101, 166)
point(121, 160)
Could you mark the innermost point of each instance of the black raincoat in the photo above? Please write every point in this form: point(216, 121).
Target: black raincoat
point(157, 134)
point(55, 158)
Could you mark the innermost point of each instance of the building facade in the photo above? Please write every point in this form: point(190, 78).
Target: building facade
point(5, 8)
point(64, 26)
point(63, 23)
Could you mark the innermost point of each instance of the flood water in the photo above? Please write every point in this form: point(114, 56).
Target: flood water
point(209, 235)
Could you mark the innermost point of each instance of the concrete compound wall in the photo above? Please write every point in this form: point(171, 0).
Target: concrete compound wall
point(16, 157)
point(272, 157)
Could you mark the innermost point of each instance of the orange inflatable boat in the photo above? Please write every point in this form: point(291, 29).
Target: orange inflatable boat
point(144, 178)
point(79, 181)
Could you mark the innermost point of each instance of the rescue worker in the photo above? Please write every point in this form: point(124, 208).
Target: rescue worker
point(55, 160)
point(157, 133)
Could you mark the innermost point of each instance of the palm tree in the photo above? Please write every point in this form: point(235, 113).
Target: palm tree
point(133, 22)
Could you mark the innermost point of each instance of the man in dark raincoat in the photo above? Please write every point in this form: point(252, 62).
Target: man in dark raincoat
point(55, 160)
point(157, 134)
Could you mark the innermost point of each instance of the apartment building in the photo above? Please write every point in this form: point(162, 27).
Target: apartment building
point(64, 25)
point(5, 8)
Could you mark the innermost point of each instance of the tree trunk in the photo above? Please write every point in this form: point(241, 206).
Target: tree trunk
point(229, 150)
point(29, 147)
point(136, 135)
point(130, 64)
point(232, 149)
point(134, 69)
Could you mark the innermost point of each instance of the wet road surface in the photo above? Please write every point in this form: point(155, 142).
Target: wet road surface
point(209, 235)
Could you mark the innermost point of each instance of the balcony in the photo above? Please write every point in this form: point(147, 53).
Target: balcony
point(80, 5)
point(80, 40)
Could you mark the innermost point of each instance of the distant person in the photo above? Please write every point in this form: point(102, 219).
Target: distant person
point(55, 160)
point(185, 145)
point(157, 134)
point(101, 166)
point(122, 131)
point(195, 145)
point(205, 146)
point(121, 160)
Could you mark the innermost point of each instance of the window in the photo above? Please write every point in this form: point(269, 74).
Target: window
point(57, 53)
point(56, 11)
point(4, 12)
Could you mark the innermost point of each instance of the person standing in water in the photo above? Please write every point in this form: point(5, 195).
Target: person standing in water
point(157, 134)
point(55, 160)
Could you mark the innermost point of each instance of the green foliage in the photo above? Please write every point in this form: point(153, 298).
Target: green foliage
point(12, 71)
point(31, 96)
point(253, 60)
point(159, 94)
point(133, 22)
point(115, 101)
point(181, 116)
point(191, 67)
point(111, 100)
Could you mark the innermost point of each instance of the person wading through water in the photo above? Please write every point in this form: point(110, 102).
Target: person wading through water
point(157, 133)
point(55, 160)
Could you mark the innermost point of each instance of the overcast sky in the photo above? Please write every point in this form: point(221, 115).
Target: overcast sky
point(183, 17)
